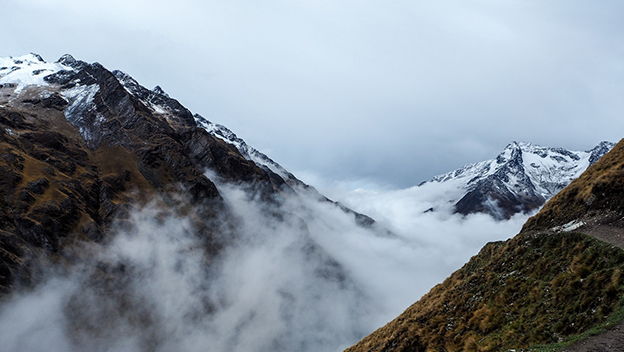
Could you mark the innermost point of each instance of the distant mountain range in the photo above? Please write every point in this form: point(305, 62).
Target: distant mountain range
point(519, 180)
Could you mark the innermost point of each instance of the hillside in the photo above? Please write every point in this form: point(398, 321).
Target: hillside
point(79, 152)
point(154, 231)
point(547, 285)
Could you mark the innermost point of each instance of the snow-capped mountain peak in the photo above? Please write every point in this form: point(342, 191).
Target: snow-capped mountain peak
point(520, 179)
point(22, 71)
point(80, 83)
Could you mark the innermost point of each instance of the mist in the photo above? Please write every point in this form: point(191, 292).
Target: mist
point(431, 241)
point(296, 275)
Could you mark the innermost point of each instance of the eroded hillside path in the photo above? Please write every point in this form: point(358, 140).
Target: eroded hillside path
point(611, 340)
point(610, 234)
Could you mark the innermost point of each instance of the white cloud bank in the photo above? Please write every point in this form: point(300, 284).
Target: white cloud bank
point(430, 244)
point(302, 277)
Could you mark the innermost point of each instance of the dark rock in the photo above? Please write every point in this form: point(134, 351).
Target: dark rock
point(14, 119)
point(38, 72)
point(26, 197)
point(9, 181)
point(180, 115)
point(39, 186)
point(62, 78)
point(202, 189)
point(70, 61)
point(54, 101)
point(38, 57)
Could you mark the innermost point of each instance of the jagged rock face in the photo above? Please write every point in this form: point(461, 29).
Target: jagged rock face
point(80, 146)
point(521, 179)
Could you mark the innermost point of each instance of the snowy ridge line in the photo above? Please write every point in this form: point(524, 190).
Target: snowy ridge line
point(156, 99)
point(248, 152)
point(22, 71)
point(549, 169)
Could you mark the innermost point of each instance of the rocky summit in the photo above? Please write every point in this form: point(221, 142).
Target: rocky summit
point(519, 180)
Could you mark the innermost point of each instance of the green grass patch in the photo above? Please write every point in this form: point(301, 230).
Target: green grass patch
point(614, 319)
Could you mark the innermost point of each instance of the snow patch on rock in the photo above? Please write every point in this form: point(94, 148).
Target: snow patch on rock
point(246, 150)
point(22, 71)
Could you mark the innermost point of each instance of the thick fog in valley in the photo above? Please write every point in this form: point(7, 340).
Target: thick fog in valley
point(301, 276)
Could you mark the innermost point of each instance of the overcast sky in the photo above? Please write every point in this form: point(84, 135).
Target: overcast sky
point(368, 93)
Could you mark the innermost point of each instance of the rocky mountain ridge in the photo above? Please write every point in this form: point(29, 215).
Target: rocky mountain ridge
point(249, 152)
point(84, 149)
point(520, 179)
point(79, 150)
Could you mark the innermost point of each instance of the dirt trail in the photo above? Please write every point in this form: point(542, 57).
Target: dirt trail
point(611, 340)
point(610, 234)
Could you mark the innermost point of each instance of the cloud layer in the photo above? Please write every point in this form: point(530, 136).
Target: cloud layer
point(298, 276)
point(154, 288)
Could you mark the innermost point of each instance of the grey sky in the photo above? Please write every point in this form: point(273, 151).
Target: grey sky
point(389, 92)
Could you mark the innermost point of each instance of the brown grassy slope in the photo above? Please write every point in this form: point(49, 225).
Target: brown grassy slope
point(536, 288)
point(597, 195)
point(55, 191)
point(532, 289)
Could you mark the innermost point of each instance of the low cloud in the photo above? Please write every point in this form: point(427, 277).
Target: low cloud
point(154, 288)
point(296, 276)
point(431, 241)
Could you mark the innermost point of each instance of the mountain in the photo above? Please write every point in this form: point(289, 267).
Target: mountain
point(137, 206)
point(247, 151)
point(263, 161)
point(81, 147)
point(558, 282)
point(519, 180)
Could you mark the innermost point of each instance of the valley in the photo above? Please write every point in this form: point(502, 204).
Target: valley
point(130, 223)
